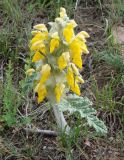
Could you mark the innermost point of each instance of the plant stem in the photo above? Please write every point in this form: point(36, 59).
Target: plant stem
point(60, 120)
point(43, 132)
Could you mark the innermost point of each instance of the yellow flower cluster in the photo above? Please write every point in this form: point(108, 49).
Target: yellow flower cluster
point(57, 57)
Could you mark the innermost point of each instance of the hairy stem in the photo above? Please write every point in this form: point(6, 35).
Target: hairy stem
point(60, 120)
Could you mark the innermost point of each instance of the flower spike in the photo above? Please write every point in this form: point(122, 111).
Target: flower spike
point(57, 55)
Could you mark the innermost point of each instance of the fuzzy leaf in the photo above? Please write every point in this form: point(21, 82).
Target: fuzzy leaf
point(82, 105)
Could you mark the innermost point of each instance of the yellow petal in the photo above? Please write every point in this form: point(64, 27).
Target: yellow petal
point(75, 69)
point(70, 76)
point(83, 47)
point(75, 48)
point(30, 71)
point(38, 46)
point(59, 89)
point(37, 57)
point(77, 60)
point(85, 34)
point(43, 50)
point(63, 60)
point(37, 87)
point(76, 51)
point(40, 27)
point(54, 43)
point(80, 37)
point(62, 12)
point(75, 88)
point(42, 92)
point(68, 32)
point(55, 35)
point(74, 24)
point(45, 73)
point(78, 46)
point(79, 79)
point(35, 32)
point(39, 36)
point(35, 46)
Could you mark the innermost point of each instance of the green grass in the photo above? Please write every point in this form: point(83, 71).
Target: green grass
point(117, 11)
point(104, 98)
point(105, 95)
point(12, 9)
point(14, 35)
point(69, 4)
point(113, 8)
point(11, 100)
point(114, 60)
point(18, 19)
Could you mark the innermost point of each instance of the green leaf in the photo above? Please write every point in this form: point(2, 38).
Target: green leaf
point(9, 118)
point(74, 103)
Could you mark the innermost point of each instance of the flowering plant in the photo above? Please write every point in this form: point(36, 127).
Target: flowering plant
point(57, 58)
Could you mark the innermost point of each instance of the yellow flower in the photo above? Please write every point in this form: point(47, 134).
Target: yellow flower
point(37, 57)
point(45, 73)
point(63, 60)
point(68, 32)
point(82, 36)
point(54, 43)
point(42, 92)
point(37, 46)
point(83, 47)
point(85, 34)
point(59, 89)
point(75, 88)
point(61, 53)
point(70, 76)
point(72, 82)
point(79, 79)
point(62, 12)
point(35, 32)
point(43, 50)
point(75, 48)
point(30, 71)
point(77, 60)
point(76, 51)
point(74, 24)
point(40, 27)
point(39, 36)
point(75, 69)
point(54, 35)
